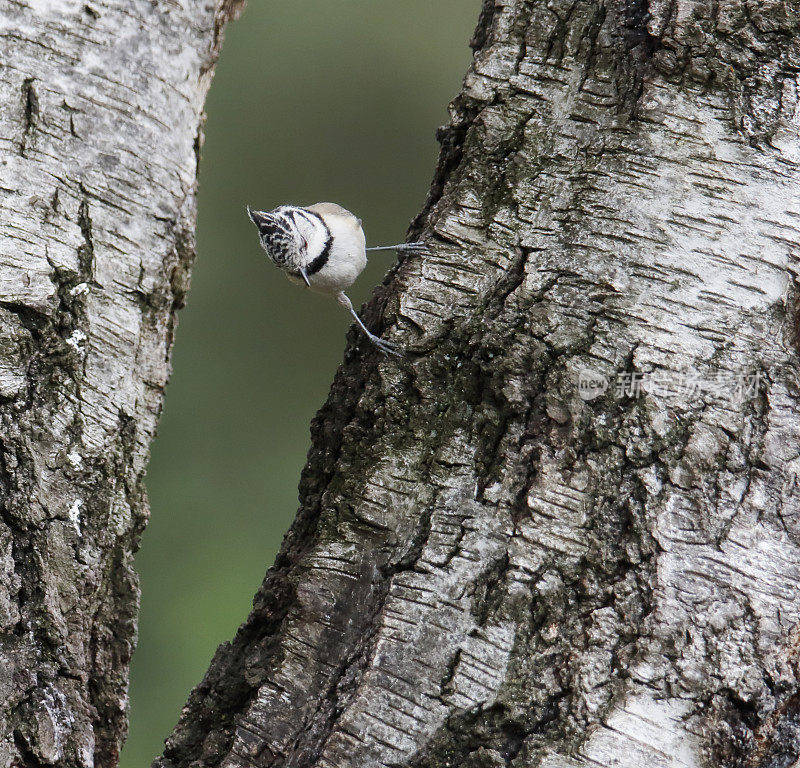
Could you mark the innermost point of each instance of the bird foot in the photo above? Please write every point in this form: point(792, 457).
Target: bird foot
point(416, 248)
point(387, 347)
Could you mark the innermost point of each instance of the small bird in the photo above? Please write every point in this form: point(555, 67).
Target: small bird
point(322, 246)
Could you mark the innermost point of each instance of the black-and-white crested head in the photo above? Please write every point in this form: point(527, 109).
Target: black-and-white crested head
point(293, 237)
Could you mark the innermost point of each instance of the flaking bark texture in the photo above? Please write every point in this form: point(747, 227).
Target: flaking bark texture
point(100, 125)
point(492, 566)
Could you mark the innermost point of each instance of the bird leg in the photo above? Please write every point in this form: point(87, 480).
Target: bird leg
point(401, 248)
point(384, 346)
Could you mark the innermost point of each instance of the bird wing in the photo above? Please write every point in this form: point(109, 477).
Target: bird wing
point(331, 209)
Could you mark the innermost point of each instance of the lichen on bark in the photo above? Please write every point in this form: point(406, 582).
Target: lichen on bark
point(488, 568)
point(100, 114)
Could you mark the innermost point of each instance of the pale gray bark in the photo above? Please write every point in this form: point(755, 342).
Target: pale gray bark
point(100, 126)
point(487, 569)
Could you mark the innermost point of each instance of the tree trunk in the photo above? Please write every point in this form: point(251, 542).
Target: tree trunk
point(100, 118)
point(565, 530)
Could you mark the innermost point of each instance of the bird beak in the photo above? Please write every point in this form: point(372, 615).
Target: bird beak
point(305, 276)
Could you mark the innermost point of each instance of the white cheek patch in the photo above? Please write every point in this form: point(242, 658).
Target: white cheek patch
point(312, 232)
point(316, 242)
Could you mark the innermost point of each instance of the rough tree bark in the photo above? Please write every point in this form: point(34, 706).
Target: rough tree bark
point(100, 125)
point(488, 569)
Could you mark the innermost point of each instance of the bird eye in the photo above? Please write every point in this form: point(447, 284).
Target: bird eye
point(305, 243)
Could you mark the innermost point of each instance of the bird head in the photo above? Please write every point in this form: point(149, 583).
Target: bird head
point(276, 234)
point(292, 237)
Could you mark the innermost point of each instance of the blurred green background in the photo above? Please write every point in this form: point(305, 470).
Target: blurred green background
point(313, 100)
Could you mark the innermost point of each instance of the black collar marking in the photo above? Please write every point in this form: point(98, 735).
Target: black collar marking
point(317, 264)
